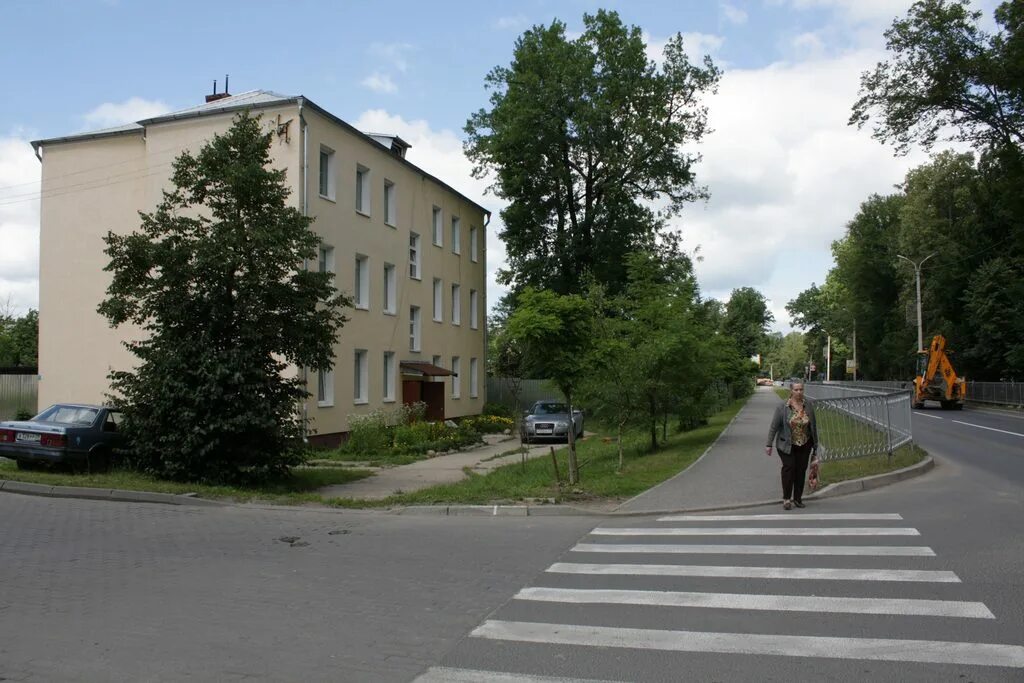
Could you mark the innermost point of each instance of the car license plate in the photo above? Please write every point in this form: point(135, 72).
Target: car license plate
point(25, 437)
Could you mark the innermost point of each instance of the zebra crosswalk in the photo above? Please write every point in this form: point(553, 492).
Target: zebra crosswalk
point(726, 610)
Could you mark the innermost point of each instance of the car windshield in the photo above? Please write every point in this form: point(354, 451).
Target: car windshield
point(549, 409)
point(68, 415)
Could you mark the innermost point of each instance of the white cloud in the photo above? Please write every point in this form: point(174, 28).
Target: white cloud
point(379, 82)
point(110, 114)
point(19, 223)
point(395, 54)
point(513, 23)
point(786, 174)
point(696, 46)
point(733, 14)
point(860, 11)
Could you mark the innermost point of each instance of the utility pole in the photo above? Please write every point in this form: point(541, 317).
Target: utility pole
point(917, 274)
point(828, 360)
point(854, 350)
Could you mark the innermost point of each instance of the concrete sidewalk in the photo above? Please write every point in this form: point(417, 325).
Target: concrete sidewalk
point(734, 471)
point(442, 469)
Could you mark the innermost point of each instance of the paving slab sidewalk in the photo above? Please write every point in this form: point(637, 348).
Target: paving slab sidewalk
point(442, 469)
point(733, 471)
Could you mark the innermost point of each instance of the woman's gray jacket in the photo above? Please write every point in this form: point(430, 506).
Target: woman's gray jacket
point(780, 432)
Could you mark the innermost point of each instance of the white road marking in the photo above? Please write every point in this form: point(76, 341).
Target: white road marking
point(991, 429)
point(865, 550)
point(879, 649)
point(782, 603)
point(442, 674)
point(756, 531)
point(934, 417)
point(790, 517)
point(808, 573)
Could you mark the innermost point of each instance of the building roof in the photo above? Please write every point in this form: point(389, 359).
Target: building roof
point(254, 99)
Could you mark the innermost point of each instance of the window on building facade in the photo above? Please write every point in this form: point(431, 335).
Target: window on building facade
point(389, 376)
point(456, 379)
point(363, 190)
point(414, 256)
point(456, 305)
point(473, 378)
point(414, 328)
point(327, 181)
point(456, 235)
point(474, 247)
point(438, 297)
point(326, 261)
point(436, 360)
point(390, 290)
point(473, 306)
point(390, 208)
point(436, 227)
point(360, 377)
point(362, 282)
point(325, 388)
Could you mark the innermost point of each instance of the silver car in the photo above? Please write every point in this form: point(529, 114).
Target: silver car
point(549, 419)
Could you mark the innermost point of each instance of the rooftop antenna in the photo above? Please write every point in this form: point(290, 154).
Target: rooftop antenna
point(215, 86)
point(226, 91)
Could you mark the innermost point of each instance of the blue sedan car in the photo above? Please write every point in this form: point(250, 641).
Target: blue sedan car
point(84, 436)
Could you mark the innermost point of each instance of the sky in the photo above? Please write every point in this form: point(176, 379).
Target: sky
point(785, 171)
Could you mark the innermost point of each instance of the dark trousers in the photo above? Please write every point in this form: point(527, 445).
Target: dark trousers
point(794, 471)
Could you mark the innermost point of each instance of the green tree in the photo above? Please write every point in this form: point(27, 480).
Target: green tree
point(581, 136)
point(948, 78)
point(993, 305)
point(215, 277)
point(555, 333)
point(19, 340)
point(789, 357)
point(747, 319)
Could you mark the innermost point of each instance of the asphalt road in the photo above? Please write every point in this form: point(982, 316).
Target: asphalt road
point(987, 439)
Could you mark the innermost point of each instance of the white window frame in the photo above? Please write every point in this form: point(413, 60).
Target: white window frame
point(474, 304)
point(325, 262)
point(456, 304)
point(474, 377)
point(436, 360)
point(438, 300)
point(390, 289)
point(415, 328)
point(389, 377)
point(327, 178)
point(363, 193)
point(325, 388)
point(456, 379)
point(414, 256)
point(361, 377)
point(474, 244)
point(437, 226)
point(362, 282)
point(390, 207)
point(456, 235)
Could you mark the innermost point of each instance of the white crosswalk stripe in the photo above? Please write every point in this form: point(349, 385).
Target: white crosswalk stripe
point(641, 596)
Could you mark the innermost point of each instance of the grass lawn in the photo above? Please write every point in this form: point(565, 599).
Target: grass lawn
point(865, 466)
point(298, 488)
point(599, 478)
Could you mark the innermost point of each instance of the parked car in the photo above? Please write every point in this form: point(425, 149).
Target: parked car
point(550, 420)
point(85, 436)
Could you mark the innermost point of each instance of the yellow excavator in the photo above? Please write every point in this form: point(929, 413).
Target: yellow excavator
point(936, 379)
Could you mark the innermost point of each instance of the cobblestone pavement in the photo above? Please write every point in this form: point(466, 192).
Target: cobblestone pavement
point(101, 591)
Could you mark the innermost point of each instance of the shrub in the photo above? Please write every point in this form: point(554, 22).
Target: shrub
point(497, 409)
point(489, 424)
point(23, 414)
point(368, 433)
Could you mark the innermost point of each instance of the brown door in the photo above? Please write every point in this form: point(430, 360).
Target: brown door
point(433, 395)
point(411, 391)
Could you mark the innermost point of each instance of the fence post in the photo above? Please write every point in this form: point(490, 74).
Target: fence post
point(888, 426)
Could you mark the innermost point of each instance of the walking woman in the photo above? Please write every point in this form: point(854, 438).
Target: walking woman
point(795, 435)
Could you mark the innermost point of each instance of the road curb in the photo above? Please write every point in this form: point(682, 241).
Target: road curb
point(86, 493)
point(841, 488)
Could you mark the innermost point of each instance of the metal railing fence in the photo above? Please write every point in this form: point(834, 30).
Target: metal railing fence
point(18, 393)
point(859, 421)
point(996, 393)
point(530, 390)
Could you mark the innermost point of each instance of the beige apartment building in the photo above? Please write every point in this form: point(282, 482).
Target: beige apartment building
point(408, 248)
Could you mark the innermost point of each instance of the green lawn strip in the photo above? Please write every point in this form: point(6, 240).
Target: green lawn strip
point(300, 487)
point(833, 471)
point(783, 393)
point(599, 478)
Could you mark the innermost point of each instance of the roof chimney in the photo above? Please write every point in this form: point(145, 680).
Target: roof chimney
point(219, 96)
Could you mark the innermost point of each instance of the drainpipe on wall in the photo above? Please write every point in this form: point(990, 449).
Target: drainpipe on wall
point(303, 164)
point(487, 328)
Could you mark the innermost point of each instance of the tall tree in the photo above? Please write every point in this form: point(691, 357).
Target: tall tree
point(19, 339)
point(582, 135)
point(747, 319)
point(948, 78)
point(215, 278)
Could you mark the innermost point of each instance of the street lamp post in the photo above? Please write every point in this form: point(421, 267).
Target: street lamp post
point(917, 275)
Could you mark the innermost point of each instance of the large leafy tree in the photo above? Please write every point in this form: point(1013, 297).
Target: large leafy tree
point(747, 319)
point(215, 278)
point(948, 78)
point(19, 339)
point(582, 135)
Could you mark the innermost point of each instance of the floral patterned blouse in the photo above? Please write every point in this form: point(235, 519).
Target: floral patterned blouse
point(799, 425)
